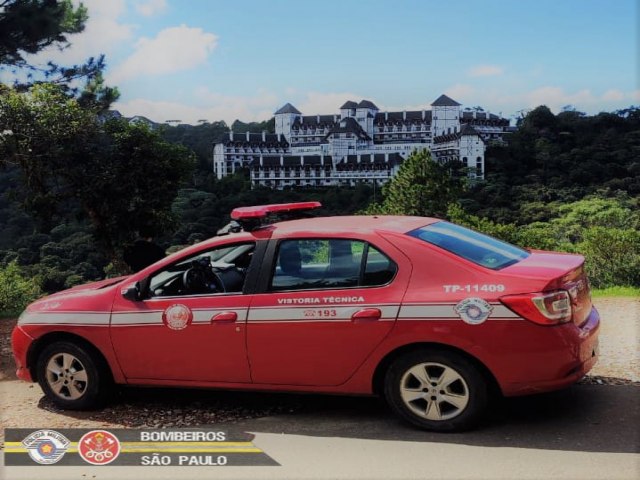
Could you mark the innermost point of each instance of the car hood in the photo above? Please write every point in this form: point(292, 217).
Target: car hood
point(90, 297)
point(107, 282)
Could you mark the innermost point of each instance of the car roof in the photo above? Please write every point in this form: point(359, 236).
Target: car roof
point(311, 227)
point(361, 224)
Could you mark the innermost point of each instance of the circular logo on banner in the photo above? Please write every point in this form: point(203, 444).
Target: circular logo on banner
point(99, 447)
point(46, 446)
point(473, 311)
point(177, 317)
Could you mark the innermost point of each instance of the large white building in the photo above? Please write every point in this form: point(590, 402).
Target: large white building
point(359, 144)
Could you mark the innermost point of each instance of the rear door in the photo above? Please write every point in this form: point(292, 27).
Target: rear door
point(323, 306)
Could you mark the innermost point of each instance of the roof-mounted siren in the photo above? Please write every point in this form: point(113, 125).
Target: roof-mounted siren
point(249, 218)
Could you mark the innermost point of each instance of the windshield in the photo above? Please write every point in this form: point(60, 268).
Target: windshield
point(473, 246)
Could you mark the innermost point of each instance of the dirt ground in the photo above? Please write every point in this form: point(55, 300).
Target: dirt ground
point(24, 405)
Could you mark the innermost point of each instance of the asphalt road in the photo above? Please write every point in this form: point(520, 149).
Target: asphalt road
point(586, 432)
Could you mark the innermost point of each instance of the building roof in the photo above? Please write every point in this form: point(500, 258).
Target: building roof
point(291, 161)
point(349, 125)
point(483, 118)
point(369, 159)
point(271, 161)
point(312, 120)
point(367, 104)
point(444, 101)
point(348, 104)
point(255, 139)
point(288, 108)
point(397, 117)
point(467, 129)
point(313, 160)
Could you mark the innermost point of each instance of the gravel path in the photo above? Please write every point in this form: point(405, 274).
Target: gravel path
point(25, 406)
point(619, 338)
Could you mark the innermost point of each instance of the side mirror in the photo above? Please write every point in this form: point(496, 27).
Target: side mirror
point(132, 292)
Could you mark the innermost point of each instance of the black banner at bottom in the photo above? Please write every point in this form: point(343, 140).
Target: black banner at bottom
point(210, 447)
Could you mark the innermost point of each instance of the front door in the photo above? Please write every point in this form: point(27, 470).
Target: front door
point(192, 325)
point(329, 302)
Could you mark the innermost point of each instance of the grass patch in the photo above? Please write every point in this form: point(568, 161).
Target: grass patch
point(616, 292)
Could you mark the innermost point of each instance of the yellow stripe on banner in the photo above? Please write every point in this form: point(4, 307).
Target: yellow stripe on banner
point(24, 450)
point(191, 450)
point(161, 444)
point(208, 444)
point(161, 450)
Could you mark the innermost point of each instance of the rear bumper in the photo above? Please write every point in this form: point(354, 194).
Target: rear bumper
point(571, 354)
point(20, 342)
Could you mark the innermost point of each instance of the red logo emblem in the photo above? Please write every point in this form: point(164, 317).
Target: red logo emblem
point(99, 447)
point(177, 317)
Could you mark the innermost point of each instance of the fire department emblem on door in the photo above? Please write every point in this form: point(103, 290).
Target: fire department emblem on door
point(177, 317)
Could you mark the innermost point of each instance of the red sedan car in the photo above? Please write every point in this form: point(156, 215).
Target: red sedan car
point(431, 315)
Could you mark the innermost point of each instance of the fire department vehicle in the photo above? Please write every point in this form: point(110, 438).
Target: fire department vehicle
point(432, 316)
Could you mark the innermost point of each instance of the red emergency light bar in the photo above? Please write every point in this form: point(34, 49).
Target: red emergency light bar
point(261, 211)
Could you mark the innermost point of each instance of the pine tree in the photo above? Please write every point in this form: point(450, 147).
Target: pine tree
point(421, 187)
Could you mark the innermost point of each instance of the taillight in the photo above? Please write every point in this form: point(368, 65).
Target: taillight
point(543, 308)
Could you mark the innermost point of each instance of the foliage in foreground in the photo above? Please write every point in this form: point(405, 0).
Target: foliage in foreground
point(16, 290)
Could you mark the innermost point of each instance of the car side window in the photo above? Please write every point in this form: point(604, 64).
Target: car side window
point(379, 269)
point(328, 264)
point(215, 271)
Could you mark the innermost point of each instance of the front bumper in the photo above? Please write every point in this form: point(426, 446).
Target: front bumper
point(20, 342)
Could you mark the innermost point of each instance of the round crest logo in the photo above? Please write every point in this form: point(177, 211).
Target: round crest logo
point(177, 317)
point(99, 447)
point(473, 311)
point(46, 446)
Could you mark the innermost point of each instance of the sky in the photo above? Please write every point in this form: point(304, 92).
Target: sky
point(212, 60)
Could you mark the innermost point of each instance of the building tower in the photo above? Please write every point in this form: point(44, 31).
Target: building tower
point(284, 120)
point(348, 109)
point(365, 114)
point(472, 149)
point(445, 116)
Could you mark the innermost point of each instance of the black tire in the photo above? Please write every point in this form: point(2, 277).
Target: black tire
point(84, 385)
point(443, 403)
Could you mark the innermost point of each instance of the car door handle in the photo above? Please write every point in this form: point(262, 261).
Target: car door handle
point(224, 317)
point(366, 314)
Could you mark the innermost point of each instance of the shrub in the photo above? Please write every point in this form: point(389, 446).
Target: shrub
point(16, 290)
point(613, 256)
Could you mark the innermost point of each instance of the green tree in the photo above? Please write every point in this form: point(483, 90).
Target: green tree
point(421, 187)
point(28, 26)
point(122, 177)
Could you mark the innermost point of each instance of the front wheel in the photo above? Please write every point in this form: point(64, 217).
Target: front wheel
point(439, 391)
point(72, 377)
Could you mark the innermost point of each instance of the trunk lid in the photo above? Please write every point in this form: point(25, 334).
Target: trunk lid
point(559, 271)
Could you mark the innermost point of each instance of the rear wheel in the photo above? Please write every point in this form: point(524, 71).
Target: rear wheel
point(72, 377)
point(440, 391)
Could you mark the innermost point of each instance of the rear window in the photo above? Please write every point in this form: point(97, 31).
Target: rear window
point(473, 246)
